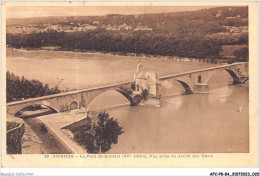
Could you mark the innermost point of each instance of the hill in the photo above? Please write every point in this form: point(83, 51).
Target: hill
point(191, 34)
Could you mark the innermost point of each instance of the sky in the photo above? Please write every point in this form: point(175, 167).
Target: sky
point(43, 11)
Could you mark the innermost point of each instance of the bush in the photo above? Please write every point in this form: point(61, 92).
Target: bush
point(18, 88)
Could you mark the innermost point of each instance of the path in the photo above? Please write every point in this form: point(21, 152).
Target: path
point(50, 145)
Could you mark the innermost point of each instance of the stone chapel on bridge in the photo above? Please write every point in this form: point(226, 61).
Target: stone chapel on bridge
point(147, 81)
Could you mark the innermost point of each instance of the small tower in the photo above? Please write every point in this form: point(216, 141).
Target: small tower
point(140, 79)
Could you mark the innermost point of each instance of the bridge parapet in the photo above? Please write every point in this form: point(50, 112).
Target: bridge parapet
point(69, 100)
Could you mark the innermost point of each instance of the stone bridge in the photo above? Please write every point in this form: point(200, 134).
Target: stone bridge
point(193, 82)
point(197, 81)
point(71, 100)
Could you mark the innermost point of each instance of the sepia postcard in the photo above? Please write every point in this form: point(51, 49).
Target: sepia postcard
point(129, 84)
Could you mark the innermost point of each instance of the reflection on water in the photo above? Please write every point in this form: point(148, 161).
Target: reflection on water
point(220, 94)
point(176, 104)
point(187, 123)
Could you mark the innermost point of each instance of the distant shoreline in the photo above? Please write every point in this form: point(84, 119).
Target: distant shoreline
point(174, 58)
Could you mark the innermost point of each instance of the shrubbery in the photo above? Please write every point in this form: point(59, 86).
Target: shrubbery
point(20, 88)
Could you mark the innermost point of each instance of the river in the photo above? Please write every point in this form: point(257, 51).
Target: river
point(214, 122)
point(76, 70)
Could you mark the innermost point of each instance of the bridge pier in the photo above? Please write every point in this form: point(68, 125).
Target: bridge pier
point(188, 91)
point(201, 88)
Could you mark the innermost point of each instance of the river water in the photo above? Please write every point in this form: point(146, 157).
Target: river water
point(214, 122)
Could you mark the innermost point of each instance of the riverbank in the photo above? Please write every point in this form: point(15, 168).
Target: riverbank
point(146, 56)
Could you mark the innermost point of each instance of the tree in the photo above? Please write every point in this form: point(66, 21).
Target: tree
point(17, 89)
point(100, 135)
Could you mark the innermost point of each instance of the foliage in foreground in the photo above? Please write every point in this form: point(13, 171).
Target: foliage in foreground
point(98, 136)
point(20, 88)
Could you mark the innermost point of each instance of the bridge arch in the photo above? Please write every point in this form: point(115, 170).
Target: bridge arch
point(122, 92)
point(36, 107)
point(235, 77)
point(186, 86)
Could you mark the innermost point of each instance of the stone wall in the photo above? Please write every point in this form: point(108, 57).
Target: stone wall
point(89, 121)
point(77, 124)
